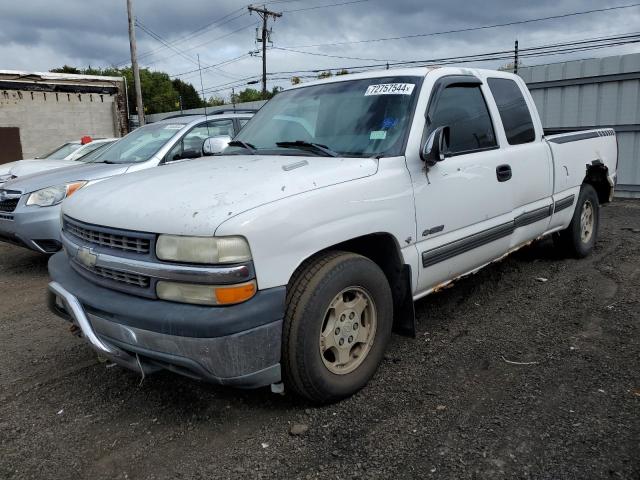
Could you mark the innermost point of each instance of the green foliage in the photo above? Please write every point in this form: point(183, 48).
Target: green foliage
point(66, 69)
point(215, 102)
point(253, 95)
point(344, 71)
point(326, 74)
point(190, 97)
point(159, 92)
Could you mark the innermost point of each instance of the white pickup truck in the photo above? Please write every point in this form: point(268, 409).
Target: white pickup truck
point(288, 260)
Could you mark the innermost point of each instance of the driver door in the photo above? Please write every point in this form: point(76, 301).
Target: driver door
point(463, 211)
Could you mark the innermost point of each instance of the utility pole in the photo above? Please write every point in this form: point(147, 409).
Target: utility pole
point(515, 60)
point(134, 62)
point(264, 14)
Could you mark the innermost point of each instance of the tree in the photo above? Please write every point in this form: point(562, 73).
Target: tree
point(295, 80)
point(190, 97)
point(66, 69)
point(326, 74)
point(253, 95)
point(159, 92)
point(344, 71)
point(215, 102)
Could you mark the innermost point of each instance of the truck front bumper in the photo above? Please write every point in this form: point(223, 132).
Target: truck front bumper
point(237, 345)
point(35, 228)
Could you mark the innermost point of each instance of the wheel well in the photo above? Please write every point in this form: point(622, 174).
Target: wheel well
point(597, 177)
point(384, 251)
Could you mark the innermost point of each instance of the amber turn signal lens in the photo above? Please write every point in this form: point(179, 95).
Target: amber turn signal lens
point(235, 293)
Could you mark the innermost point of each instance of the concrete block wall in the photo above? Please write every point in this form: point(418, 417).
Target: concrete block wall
point(48, 119)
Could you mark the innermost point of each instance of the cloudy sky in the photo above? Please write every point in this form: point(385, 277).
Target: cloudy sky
point(37, 35)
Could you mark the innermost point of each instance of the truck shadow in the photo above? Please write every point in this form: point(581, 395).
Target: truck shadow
point(18, 260)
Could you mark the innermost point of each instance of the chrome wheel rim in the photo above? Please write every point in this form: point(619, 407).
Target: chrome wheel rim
point(587, 221)
point(348, 329)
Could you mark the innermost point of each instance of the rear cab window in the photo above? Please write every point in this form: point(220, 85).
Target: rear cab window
point(514, 111)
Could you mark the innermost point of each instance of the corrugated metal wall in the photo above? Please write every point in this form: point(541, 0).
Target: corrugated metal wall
point(599, 92)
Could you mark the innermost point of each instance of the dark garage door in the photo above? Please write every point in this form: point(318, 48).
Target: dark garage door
point(10, 146)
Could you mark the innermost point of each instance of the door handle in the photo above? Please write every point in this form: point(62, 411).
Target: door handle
point(503, 172)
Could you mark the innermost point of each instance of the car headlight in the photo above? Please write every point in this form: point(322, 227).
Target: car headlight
point(209, 250)
point(54, 195)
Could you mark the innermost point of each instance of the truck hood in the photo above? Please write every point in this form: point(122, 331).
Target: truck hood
point(195, 197)
point(27, 167)
point(60, 176)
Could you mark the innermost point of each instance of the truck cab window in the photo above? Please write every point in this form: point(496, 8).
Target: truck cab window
point(513, 109)
point(464, 111)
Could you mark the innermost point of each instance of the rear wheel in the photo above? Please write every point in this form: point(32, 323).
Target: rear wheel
point(337, 326)
point(579, 238)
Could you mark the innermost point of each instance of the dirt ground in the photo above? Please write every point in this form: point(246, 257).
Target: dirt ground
point(450, 404)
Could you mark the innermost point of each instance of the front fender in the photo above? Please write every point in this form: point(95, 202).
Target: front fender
point(284, 233)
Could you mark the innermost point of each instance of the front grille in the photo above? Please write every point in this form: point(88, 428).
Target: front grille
point(110, 275)
point(8, 205)
point(107, 239)
point(132, 279)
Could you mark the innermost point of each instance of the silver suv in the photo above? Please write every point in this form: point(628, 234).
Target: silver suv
point(30, 205)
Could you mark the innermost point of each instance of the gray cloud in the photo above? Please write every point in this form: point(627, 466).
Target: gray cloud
point(36, 35)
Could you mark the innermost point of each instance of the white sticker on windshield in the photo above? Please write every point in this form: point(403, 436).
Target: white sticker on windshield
point(378, 135)
point(390, 89)
point(173, 127)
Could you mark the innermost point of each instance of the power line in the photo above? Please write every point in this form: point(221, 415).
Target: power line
point(324, 6)
point(469, 29)
point(233, 32)
point(157, 37)
point(530, 52)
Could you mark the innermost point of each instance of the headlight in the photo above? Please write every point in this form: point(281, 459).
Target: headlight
point(206, 294)
point(209, 250)
point(54, 195)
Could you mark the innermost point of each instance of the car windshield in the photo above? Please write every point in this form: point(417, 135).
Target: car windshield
point(92, 154)
point(62, 151)
point(353, 118)
point(141, 144)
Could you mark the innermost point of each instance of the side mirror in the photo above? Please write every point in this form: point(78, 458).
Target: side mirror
point(215, 145)
point(436, 147)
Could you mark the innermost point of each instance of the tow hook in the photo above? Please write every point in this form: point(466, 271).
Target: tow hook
point(76, 330)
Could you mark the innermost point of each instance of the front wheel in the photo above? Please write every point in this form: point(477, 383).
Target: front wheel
point(579, 238)
point(337, 325)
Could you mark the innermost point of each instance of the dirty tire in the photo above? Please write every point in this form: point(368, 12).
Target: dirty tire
point(571, 240)
point(311, 290)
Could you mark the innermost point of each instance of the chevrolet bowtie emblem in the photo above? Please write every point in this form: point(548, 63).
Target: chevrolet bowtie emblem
point(86, 257)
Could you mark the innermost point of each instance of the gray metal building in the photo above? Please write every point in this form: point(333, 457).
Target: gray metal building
point(598, 92)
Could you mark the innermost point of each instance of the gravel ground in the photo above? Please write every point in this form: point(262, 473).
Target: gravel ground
point(450, 404)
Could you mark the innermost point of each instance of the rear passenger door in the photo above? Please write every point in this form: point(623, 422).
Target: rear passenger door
point(528, 157)
point(463, 211)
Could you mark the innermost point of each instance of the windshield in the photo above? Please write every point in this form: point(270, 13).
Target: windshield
point(62, 151)
point(354, 118)
point(141, 144)
point(92, 154)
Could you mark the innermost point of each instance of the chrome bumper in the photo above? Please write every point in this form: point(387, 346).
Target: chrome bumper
point(75, 310)
point(246, 359)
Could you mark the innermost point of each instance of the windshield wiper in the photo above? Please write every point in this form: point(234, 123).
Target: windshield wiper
point(316, 147)
point(245, 145)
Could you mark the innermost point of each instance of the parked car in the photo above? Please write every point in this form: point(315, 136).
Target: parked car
point(30, 205)
point(292, 256)
point(63, 156)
